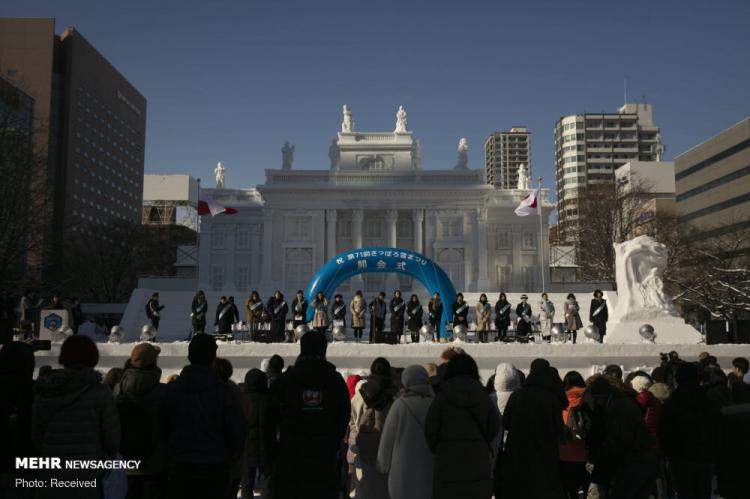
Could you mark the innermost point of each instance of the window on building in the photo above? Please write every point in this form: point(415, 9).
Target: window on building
point(503, 239)
point(298, 267)
point(452, 227)
point(299, 228)
point(529, 239)
point(218, 238)
point(243, 237)
point(504, 277)
point(216, 277)
point(343, 227)
point(242, 276)
point(528, 277)
point(374, 228)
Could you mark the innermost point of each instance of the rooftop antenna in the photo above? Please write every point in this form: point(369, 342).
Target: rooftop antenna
point(625, 90)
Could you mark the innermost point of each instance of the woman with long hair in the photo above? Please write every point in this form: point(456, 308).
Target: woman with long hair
point(572, 317)
point(198, 310)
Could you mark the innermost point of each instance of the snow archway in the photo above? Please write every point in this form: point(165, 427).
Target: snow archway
point(365, 260)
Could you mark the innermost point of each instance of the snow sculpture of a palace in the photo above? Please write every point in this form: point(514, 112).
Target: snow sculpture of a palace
point(373, 192)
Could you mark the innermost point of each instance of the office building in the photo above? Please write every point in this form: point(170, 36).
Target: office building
point(589, 148)
point(504, 152)
point(713, 183)
point(90, 128)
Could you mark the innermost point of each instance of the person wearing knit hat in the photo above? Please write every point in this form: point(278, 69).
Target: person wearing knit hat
point(75, 415)
point(78, 351)
point(144, 355)
point(507, 381)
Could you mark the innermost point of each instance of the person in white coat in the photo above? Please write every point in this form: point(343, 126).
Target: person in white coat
point(403, 452)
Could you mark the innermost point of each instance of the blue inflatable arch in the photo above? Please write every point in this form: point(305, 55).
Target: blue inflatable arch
point(364, 260)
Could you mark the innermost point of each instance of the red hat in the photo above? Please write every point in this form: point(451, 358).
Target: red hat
point(78, 351)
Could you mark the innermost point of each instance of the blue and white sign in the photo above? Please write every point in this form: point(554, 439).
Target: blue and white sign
point(402, 261)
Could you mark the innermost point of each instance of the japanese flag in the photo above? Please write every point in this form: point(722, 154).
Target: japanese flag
point(530, 204)
point(207, 206)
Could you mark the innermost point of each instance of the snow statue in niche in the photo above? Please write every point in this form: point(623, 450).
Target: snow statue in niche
point(400, 120)
point(287, 156)
point(347, 125)
point(463, 155)
point(524, 177)
point(219, 172)
point(639, 267)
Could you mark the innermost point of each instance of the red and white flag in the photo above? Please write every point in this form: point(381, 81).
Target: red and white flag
point(530, 204)
point(207, 206)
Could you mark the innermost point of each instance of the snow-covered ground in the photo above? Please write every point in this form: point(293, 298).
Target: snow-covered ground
point(354, 357)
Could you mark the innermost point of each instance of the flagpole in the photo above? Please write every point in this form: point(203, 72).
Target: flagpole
point(541, 232)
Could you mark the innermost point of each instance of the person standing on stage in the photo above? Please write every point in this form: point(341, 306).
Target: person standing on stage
point(572, 318)
point(414, 317)
point(523, 311)
point(254, 314)
point(320, 319)
point(358, 309)
point(397, 309)
point(435, 311)
point(546, 316)
point(338, 311)
point(502, 316)
point(378, 309)
point(460, 311)
point(277, 309)
point(299, 312)
point(198, 312)
point(226, 315)
point(599, 314)
point(153, 310)
point(484, 318)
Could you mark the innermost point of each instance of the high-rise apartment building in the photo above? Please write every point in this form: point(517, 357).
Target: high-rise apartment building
point(589, 148)
point(90, 130)
point(504, 152)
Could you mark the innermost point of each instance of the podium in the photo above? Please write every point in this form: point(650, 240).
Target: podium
point(51, 321)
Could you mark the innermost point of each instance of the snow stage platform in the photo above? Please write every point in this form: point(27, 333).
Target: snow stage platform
point(587, 358)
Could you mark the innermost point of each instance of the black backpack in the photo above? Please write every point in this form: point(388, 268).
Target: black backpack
point(577, 425)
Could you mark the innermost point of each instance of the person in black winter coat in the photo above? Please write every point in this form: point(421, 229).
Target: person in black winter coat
point(7, 316)
point(460, 311)
point(435, 311)
point(277, 309)
point(533, 420)
point(688, 433)
point(259, 452)
point(502, 316)
point(202, 425)
point(16, 398)
point(733, 458)
point(153, 310)
point(523, 311)
point(414, 314)
point(198, 310)
point(299, 311)
point(226, 315)
point(397, 308)
point(599, 313)
point(138, 395)
point(310, 409)
point(75, 417)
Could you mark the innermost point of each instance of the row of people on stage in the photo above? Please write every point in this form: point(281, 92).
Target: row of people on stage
point(266, 321)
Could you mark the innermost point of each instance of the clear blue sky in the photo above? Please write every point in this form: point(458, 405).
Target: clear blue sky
point(232, 80)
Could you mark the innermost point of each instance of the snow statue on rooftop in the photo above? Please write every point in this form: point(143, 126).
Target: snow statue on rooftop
point(287, 156)
point(347, 125)
point(400, 120)
point(220, 178)
point(463, 155)
point(334, 154)
point(641, 299)
point(524, 177)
